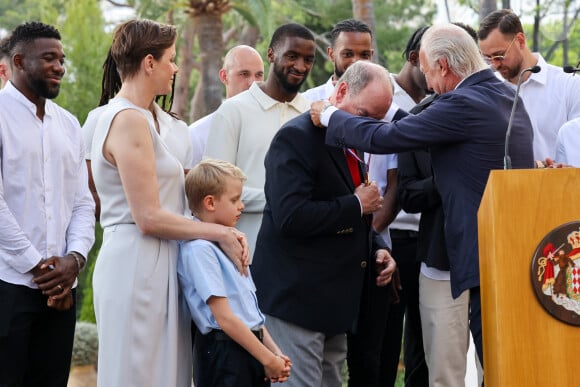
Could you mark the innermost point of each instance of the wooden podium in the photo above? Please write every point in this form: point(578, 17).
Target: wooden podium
point(523, 344)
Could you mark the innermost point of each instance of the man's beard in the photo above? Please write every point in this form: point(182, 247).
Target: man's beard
point(40, 86)
point(288, 87)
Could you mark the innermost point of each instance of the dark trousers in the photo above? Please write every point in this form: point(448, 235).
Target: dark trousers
point(35, 340)
point(406, 312)
point(475, 321)
point(367, 344)
point(221, 362)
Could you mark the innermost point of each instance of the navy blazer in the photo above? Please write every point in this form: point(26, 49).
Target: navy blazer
point(314, 248)
point(465, 131)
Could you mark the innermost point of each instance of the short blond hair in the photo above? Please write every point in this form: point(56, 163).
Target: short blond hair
point(208, 177)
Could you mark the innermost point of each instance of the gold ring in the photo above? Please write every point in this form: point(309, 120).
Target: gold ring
point(60, 287)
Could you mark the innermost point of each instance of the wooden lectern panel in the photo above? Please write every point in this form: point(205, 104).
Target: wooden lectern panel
point(523, 344)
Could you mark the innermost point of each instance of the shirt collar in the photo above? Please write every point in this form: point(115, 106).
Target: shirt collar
point(299, 103)
point(542, 76)
point(10, 89)
point(329, 87)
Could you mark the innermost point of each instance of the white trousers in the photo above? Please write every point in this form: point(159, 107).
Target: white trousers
point(445, 324)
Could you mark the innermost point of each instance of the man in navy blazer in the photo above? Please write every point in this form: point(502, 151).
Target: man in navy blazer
point(315, 247)
point(464, 129)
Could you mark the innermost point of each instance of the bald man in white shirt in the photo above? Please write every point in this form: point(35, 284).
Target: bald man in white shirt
point(243, 66)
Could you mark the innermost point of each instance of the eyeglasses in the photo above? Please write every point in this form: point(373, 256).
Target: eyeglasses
point(498, 58)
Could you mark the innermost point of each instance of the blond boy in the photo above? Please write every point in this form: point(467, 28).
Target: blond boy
point(232, 346)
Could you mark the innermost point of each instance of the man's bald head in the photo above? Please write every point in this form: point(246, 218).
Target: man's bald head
point(242, 66)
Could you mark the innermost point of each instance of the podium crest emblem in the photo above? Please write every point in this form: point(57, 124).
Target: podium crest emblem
point(556, 273)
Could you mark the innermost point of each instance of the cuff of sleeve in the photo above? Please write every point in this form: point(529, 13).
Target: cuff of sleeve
point(360, 204)
point(326, 114)
point(78, 247)
point(26, 261)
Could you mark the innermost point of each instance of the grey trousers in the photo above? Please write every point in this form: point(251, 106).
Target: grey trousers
point(317, 359)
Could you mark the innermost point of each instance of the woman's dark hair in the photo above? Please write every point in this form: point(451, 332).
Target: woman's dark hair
point(132, 41)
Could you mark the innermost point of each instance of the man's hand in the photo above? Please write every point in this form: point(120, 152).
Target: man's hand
point(386, 266)
point(370, 197)
point(549, 163)
point(55, 276)
point(316, 109)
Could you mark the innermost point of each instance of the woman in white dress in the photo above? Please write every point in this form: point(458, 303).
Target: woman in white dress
point(173, 131)
point(143, 331)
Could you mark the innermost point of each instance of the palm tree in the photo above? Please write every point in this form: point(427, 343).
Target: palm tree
point(363, 10)
point(206, 20)
point(486, 7)
point(205, 24)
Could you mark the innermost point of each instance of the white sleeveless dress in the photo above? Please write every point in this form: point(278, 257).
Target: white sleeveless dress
point(144, 329)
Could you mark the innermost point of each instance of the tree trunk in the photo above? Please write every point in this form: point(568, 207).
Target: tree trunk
point(565, 34)
point(208, 26)
point(563, 38)
point(486, 7)
point(536, 33)
point(363, 10)
point(197, 104)
point(250, 36)
point(186, 66)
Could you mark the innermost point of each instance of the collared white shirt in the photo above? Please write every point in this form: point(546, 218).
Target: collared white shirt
point(403, 220)
point(46, 208)
point(198, 133)
point(320, 92)
point(551, 97)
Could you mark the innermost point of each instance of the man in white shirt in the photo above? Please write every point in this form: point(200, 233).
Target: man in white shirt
point(243, 66)
point(46, 214)
point(243, 126)
point(551, 96)
point(350, 41)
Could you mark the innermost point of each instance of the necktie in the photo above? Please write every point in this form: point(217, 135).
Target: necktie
point(353, 166)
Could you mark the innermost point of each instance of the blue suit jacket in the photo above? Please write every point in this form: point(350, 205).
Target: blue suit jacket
point(465, 131)
point(314, 248)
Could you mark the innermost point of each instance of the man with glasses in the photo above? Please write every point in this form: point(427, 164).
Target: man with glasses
point(551, 96)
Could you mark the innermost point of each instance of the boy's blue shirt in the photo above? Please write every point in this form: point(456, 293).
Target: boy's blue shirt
point(205, 271)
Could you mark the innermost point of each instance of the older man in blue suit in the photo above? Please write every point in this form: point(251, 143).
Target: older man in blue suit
point(464, 130)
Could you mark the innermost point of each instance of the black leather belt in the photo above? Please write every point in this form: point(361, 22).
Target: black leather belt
point(402, 234)
point(219, 335)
